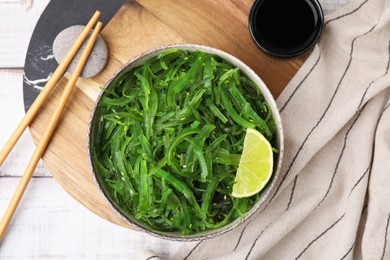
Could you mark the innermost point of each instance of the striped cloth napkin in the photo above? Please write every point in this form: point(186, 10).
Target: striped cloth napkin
point(333, 197)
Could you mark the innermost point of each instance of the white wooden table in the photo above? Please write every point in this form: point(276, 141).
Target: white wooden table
point(48, 223)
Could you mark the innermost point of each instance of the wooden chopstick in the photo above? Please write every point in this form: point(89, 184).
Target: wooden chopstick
point(44, 140)
point(33, 110)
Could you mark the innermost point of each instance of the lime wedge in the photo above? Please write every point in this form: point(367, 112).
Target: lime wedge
point(255, 167)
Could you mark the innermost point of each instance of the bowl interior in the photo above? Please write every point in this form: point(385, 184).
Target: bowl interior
point(139, 60)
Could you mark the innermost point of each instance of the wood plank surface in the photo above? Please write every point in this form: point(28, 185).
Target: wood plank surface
point(136, 28)
point(17, 20)
point(11, 99)
point(49, 224)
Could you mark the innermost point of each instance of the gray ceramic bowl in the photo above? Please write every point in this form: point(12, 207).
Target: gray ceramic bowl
point(137, 61)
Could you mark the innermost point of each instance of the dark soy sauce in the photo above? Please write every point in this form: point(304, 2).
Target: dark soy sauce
point(286, 27)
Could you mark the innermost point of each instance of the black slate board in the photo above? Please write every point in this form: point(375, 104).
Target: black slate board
point(58, 15)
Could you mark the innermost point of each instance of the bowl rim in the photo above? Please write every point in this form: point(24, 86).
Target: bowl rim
point(280, 141)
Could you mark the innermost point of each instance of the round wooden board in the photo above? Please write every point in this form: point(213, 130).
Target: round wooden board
point(136, 28)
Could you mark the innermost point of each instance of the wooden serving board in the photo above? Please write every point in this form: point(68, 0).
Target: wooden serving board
point(136, 28)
